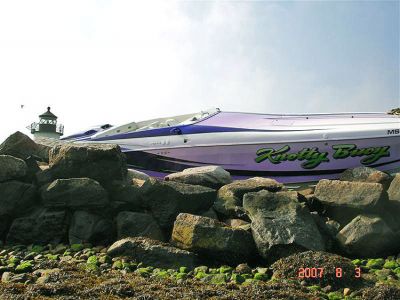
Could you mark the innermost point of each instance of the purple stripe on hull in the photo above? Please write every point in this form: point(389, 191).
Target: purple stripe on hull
point(287, 163)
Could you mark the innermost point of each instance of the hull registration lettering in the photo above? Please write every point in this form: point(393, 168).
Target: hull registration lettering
point(312, 157)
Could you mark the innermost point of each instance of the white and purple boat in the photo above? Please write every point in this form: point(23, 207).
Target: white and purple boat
point(288, 148)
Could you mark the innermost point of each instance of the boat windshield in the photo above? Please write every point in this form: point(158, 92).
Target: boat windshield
point(158, 123)
point(177, 120)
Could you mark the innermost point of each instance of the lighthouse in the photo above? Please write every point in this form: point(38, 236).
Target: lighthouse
point(47, 126)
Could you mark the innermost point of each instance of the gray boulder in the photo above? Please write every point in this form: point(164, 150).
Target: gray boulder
point(210, 176)
point(166, 199)
point(101, 162)
point(21, 146)
point(152, 253)
point(42, 226)
point(74, 193)
point(90, 228)
point(229, 200)
point(12, 168)
point(134, 224)
point(212, 239)
point(394, 190)
point(368, 236)
point(16, 198)
point(280, 224)
point(32, 168)
point(345, 200)
point(359, 195)
point(365, 174)
point(49, 143)
point(125, 196)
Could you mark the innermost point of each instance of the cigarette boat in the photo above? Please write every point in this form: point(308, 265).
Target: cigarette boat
point(289, 148)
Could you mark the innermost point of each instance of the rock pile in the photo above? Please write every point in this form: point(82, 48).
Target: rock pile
point(86, 195)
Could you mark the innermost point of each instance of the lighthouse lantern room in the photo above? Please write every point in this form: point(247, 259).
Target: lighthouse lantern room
point(47, 126)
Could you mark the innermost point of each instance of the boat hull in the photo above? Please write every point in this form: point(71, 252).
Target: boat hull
point(288, 148)
point(291, 162)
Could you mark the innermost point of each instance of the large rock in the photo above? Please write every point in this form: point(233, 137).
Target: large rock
point(294, 265)
point(12, 168)
point(125, 196)
point(359, 195)
point(152, 253)
point(21, 146)
point(368, 236)
point(213, 239)
point(365, 174)
point(16, 198)
point(230, 197)
point(101, 162)
point(32, 168)
point(41, 227)
point(344, 200)
point(90, 228)
point(133, 224)
point(74, 193)
point(280, 224)
point(394, 190)
point(166, 199)
point(210, 176)
point(49, 143)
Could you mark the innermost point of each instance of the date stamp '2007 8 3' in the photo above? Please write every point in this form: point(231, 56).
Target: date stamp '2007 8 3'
point(320, 272)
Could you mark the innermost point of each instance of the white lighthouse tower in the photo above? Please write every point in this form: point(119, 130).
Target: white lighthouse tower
point(47, 126)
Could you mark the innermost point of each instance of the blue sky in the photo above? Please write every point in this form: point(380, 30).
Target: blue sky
point(121, 61)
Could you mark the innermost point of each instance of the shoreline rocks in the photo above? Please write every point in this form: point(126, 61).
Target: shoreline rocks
point(209, 176)
point(153, 253)
point(76, 193)
point(99, 162)
point(344, 200)
point(368, 236)
point(229, 202)
point(16, 198)
point(135, 224)
point(279, 223)
point(90, 228)
point(21, 146)
point(87, 195)
point(12, 168)
point(166, 199)
point(213, 239)
point(42, 226)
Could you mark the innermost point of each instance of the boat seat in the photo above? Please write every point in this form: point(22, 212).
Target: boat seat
point(156, 124)
point(132, 126)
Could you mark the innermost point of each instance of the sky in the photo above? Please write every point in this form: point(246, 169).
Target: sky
point(96, 62)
